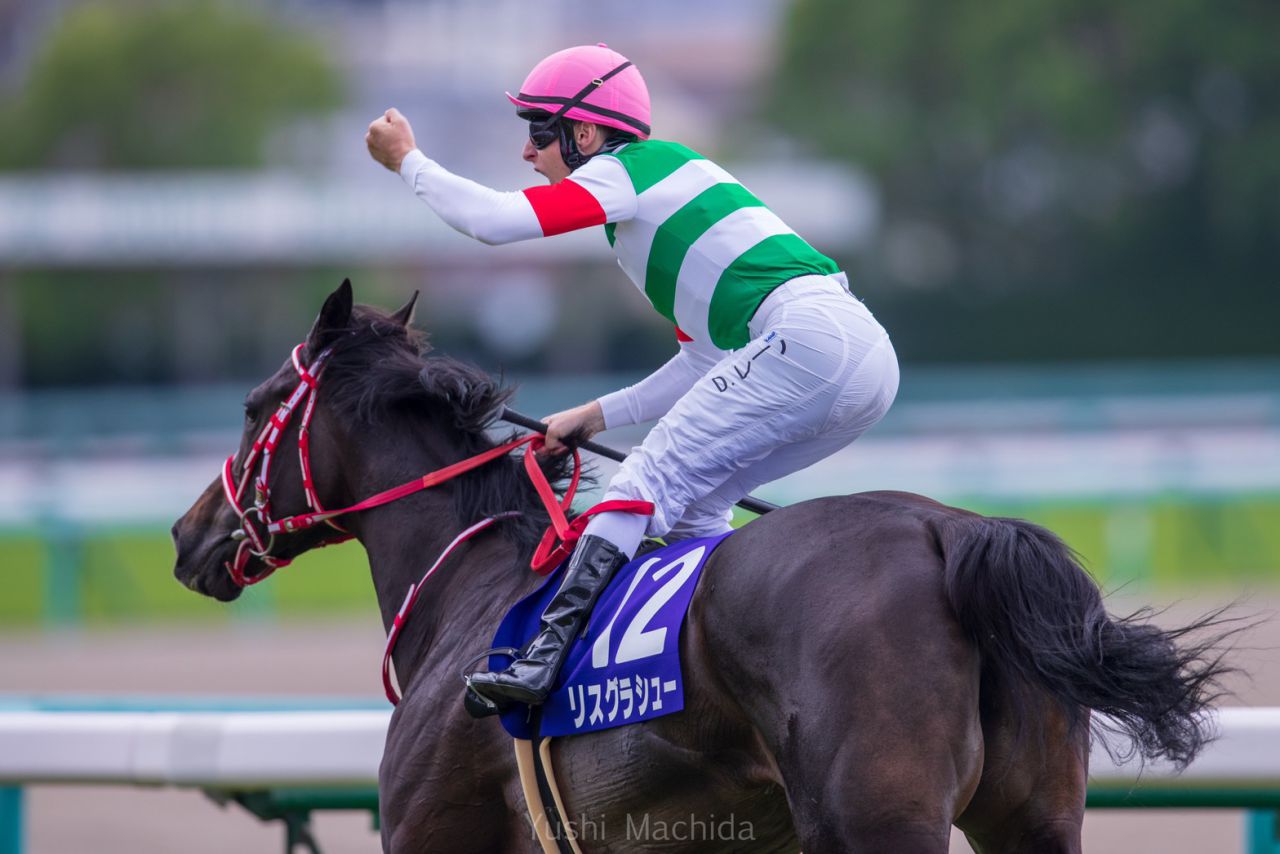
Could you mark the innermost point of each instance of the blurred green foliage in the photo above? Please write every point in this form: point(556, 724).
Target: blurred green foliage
point(1059, 178)
point(152, 85)
point(121, 325)
point(84, 327)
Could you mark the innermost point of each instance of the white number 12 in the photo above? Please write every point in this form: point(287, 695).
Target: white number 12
point(638, 641)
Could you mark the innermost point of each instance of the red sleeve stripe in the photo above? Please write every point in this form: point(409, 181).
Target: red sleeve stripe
point(565, 206)
point(681, 336)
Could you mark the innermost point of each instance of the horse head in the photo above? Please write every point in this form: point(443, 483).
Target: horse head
point(223, 541)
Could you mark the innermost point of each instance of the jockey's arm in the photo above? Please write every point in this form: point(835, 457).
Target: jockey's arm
point(597, 193)
point(654, 395)
point(648, 399)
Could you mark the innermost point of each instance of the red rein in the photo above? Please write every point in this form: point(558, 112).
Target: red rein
point(556, 544)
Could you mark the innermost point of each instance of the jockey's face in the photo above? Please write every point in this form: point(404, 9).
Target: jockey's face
point(549, 162)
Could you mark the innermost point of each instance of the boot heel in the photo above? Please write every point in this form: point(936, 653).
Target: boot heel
point(532, 676)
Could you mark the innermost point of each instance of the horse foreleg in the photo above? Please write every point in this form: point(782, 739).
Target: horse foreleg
point(450, 786)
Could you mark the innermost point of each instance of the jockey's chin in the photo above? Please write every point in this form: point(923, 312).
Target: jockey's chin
point(552, 178)
point(547, 162)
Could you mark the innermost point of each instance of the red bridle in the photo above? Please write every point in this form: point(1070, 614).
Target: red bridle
point(556, 544)
point(255, 543)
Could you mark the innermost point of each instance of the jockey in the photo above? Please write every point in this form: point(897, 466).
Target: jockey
point(779, 365)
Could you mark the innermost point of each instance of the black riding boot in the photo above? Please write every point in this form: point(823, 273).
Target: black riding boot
point(529, 679)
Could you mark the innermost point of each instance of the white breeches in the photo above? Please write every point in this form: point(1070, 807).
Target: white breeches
point(817, 373)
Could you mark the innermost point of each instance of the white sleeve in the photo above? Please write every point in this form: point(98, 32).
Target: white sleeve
point(488, 215)
point(654, 395)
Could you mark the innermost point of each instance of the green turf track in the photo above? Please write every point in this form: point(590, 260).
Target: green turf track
point(126, 576)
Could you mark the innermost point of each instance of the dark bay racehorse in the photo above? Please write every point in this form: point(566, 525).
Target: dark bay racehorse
point(861, 671)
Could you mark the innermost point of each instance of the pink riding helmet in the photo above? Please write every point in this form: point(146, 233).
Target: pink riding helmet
point(597, 84)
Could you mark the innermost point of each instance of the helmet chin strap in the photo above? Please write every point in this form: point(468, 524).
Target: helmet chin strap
point(569, 151)
point(573, 156)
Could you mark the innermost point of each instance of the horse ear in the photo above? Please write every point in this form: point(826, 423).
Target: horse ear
point(334, 317)
point(404, 314)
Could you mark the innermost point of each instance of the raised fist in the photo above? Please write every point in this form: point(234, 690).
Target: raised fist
point(389, 139)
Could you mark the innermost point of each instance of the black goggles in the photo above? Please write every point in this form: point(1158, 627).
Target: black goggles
point(543, 130)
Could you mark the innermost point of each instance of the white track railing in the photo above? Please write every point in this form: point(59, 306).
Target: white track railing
point(251, 750)
point(258, 751)
point(1246, 752)
point(319, 748)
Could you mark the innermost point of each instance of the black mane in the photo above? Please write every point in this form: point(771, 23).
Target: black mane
point(378, 370)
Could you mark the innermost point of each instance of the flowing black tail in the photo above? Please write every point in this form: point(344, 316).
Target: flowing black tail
point(1038, 620)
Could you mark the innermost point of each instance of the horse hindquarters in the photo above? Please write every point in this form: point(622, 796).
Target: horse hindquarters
point(1050, 653)
point(840, 649)
point(1040, 624)
point(1031, 796)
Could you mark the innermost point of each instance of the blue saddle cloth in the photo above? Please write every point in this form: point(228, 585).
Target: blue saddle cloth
point(627, 667)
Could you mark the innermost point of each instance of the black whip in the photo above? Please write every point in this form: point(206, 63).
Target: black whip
point(755, 505)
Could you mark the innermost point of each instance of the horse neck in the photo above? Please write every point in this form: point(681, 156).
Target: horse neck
point(462, 603)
